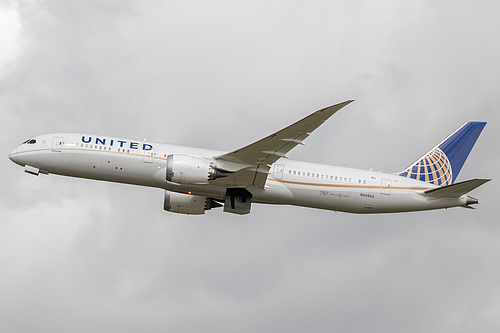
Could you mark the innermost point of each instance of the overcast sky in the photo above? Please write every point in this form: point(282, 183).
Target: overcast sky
point(87, 256)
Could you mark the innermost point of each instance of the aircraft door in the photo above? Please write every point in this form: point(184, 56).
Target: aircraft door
point(149, 155)
point(57, 143)
point(385, 188)
point(278, 171)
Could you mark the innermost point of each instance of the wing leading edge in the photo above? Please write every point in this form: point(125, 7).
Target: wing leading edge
point(250, 165)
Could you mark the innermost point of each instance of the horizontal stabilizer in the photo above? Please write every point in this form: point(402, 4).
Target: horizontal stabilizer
point(458, 189)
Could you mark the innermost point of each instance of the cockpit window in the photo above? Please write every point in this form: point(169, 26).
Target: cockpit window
point(29, 142)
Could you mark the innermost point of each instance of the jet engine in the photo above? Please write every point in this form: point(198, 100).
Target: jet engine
point(189, 169)
point(187, 204)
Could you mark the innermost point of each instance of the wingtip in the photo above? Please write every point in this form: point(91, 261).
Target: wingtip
point(336, 107)
point(349, 101)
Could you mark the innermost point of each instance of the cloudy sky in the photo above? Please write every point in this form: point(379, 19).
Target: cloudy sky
point(86, 256)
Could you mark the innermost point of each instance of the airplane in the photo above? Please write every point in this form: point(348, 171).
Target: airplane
point(196, 180)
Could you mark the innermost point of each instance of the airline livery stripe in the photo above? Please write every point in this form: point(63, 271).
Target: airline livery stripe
point(91, 150)
point(348, 186)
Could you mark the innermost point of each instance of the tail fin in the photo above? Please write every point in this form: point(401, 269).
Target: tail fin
point(442, 164)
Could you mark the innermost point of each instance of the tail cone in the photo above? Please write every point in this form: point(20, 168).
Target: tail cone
point(471, 201)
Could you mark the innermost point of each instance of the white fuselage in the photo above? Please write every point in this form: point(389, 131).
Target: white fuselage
point(289, 182)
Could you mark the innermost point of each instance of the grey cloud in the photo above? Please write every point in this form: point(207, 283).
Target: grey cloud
point(87, 256)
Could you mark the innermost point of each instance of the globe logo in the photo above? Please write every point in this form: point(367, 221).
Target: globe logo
point(434, 168)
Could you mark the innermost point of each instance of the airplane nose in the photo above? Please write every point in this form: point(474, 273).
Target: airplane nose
point(13, 156)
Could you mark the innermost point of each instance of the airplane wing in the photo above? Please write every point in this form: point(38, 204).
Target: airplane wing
point(250, 165)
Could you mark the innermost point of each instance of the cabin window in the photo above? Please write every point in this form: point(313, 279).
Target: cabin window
point(294, 172)
point(299, 173)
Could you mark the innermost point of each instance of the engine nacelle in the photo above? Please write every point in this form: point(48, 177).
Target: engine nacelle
point(187, 204)
point(189, 169)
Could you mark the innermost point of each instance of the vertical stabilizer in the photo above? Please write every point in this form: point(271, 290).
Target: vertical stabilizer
point(442, 164)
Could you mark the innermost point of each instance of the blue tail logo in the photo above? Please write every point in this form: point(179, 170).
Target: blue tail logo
point(442, 164)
